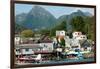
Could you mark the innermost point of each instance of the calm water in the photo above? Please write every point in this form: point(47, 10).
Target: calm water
point(66, 61)
point(61, 61)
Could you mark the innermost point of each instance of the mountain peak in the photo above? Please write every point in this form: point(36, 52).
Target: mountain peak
point(85, 13)
point(88, 14)
point(37, 7)
point(79, 10)
point(78, 13)
point(38, 10)
point(38, 18)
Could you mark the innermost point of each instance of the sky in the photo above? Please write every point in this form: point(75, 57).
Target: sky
point(57, 11)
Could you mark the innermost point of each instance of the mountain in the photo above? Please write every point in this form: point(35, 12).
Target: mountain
point(88, 14)
point(37, 18)
point(69, 17)
point(77, 13)
point(85, 22)
point(20, 18)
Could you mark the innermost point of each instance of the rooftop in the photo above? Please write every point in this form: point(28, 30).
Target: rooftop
point(28, 46)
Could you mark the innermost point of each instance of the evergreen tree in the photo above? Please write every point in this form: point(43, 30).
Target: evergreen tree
point(78, 23)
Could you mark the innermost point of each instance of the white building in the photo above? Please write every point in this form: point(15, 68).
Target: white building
point(60, 33)
point(54, 40)
point(67, 41)
point(17, 39)
point(76, 34)
point(82, 37)
point(79, 36)
point(47, 46)
point(28, 49)
point(75, 44)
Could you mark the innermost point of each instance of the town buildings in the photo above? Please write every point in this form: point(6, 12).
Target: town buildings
point(52, 47)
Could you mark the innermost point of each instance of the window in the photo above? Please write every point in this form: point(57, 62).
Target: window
point(18, 50)
point(50, 48)
point(75, 46)
point(83, 37)
point(45, 46)
point(35, 49)
point(27, 49)
point(78, 33)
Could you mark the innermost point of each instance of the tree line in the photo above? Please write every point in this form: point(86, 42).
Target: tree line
point(78, 23)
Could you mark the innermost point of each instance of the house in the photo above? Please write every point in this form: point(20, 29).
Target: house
point(47, 44)
point(60, 33)
point(76, 34)
point(37, 36)
point(45, 48)
point(29, 40)
point(75, 44)
point(79, 36)
point(17, 39)
point(67, 41)
point(28, 49)
point(86, 46)
point(82, 37)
